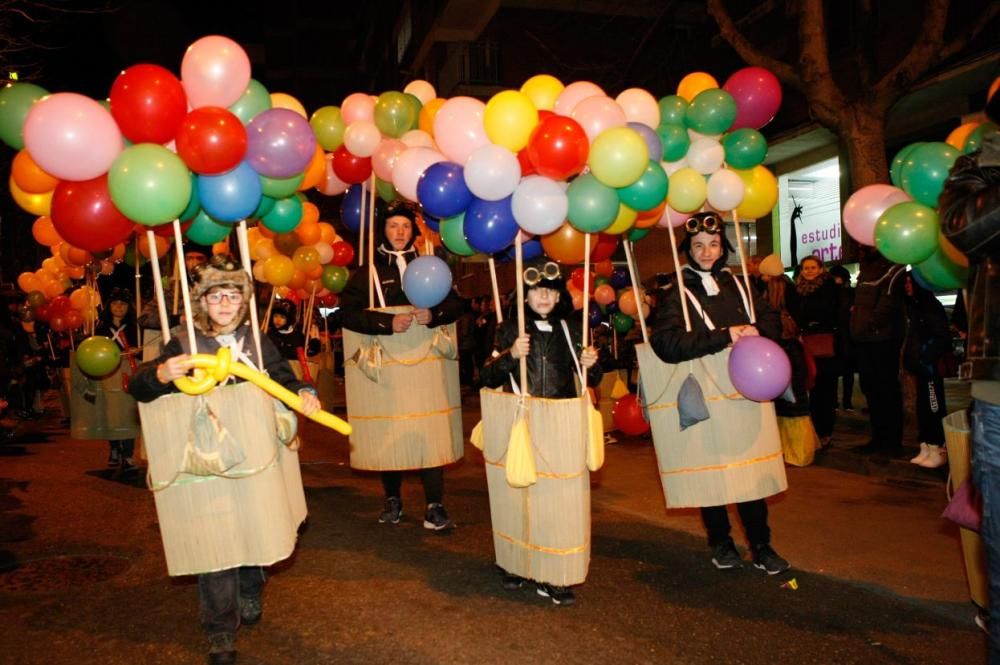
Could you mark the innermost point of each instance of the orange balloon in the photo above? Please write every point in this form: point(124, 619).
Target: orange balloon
point(36, 204)
point(79, 272)
point(28, 282)
point(327, 233)
point(118, 253)
point(81, 297)
point(44, 232)
point(315, 272)
point(162, 245)
point(956, 139)
point(649, 218)
point(30, 177)
point(305, 258)
point(308, 233)
point(565, 245)
point(425, 121)
point(107, 267)
point(603, 268)
point(74, 256)
point(298, 279)
point(315, 173)
point(53, 288)
point(52, 264)
point(695, 82)
point(279, 269)
point(47, 274)
point(264, 249)
point(221, 247)
point(264, 231)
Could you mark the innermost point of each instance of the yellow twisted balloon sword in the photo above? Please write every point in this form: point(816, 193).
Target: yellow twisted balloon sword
point(212, 370)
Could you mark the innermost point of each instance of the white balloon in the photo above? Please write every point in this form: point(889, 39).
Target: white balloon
point(540, 205)
point(361, 138)
point(418, 138)
point(422, 90)
point(706, 155)
point(325, 252)
point(410, 166)
point(694, 136)
point(725, 190)
point(492, 172)
point(672, 167)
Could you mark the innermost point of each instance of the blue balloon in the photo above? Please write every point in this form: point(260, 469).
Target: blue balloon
point(427, 281)
point(619, 279)
point(231, 196)
point(433, 223)
point(441, 190)
point(529, 250)
point(652, 139)
point(489, 225)
point(350, 208)
point(595, 316)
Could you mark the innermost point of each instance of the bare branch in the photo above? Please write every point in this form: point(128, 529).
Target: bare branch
point(924, 52)
point(960, 42)
point(748, 51)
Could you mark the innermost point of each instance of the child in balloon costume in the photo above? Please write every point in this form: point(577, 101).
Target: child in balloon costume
point(117, 322)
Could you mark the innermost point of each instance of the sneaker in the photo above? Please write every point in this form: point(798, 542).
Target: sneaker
point(512, 582)
point(936, 456)
point(436, 518)
point(251, 611)
point(559, 595)
point(725, 556)
point(922, 455)
point(221, 649)
point(392, 512)
point(766, 559)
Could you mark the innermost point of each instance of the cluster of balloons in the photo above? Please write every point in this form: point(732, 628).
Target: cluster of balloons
point(612, 297)
point(62, 312)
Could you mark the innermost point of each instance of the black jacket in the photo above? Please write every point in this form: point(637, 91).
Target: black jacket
point(289, 341)
point(354, 312)
point(673, 344)
point(928, 334)
point(551, 369)
point(878, 314)
point(816, 311)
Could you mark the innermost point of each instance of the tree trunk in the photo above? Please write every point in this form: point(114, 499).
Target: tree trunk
point(863, 135)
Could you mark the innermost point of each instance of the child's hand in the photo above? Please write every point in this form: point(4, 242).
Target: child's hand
point(521, 347)
point(401, 322)
point(173, 368)
point(422, 316)
point(735, 332)
point(588, 357)
point(310, 402)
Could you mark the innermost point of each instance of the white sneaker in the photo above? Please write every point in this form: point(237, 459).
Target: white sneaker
point(922, 455)
point(936, 456)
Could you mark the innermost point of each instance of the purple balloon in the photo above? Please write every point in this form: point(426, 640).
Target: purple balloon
point(759, 368)
point(280, 143)
point(652, 139)
point(427, 281)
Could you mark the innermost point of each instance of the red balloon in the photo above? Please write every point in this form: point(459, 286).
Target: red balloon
point(558, 147)
point(527, 168)
point(148, 103)
point(627, 414)
point(757, 93)
point(604, 248)
point(211, 140)
point(85, 217)
point(58, 322)
point(351, 168)
point(576, 278)
point(60, 305)
point(43, 312)
point(329, 300)
point(343, 253)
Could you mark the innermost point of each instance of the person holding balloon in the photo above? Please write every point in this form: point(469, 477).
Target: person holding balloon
point(396, 229)
point(720, 318)
point(117, 322)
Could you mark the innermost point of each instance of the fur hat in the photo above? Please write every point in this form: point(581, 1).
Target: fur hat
point(222, 270)
point(771, 266)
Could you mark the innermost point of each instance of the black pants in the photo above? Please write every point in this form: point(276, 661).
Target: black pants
point(124, 446)
point(878, 369)
point(753, 514)
point(823, 396)
point(219, 594)
point(847, 401)
point(433, 480)
point(931, 409)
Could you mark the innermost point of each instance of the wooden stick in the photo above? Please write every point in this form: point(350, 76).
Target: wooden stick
point(680, 279)
point(496, 291)
point(743, 265)
point(267, 315)
point(586, 301)
point(372, 273)
point(177, 271)
point(361, 231)
point(307, 319)
point(138, 296)
point(161, 301)
point(634, 274)
point(519, 264)
point(179, 241)
point(244, 243)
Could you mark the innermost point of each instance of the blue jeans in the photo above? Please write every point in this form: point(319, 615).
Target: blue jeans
point(986, 475)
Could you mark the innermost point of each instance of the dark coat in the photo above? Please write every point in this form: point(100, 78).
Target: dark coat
point(816, 311)
point(673, 344)
point(878, 314)
point(289, 341)
point(551, 369)
point(928, 334)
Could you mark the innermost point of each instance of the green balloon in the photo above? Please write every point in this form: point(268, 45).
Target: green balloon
point(900, 161)
point(453, 235)
point(329, 127)
point(675, 140)
point(417, 107)
point(975, 139)
point(593, 206)
point(264, 207)
point(206, 231)
point(712, 111)
point(635, 235)
point(255, 99)
point(385, 190)
point(940, 272)
point(36, 298)
point(194, 203)
point(621, 322)
point(149, 184)
point(98, 356)
point(284, 216)
point(672, 110)
point(925, 171)
point(745, 148)
point(648, 191)
point(600, 280)
point(334, 278)
point(16, 100)
point(130, 256)
point(394, 114)
point(907, 233)
point(279, 188)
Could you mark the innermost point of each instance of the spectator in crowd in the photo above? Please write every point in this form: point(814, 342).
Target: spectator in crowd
point(843, 346)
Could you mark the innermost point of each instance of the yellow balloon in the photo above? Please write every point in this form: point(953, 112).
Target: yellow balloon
point(425, 120)
point(543, 90)
point(761, 193)
point(36, 204)
point(694, 83)
point(618, 157)
point(956, 139)
point(687, 190)
point(281, 100)
point(623, 222)
point(509, 118)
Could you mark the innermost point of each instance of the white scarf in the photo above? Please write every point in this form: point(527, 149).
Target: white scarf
point(400, 257)
point(236, 349)
point(707, 280)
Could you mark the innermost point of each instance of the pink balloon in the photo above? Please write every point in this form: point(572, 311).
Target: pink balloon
point(385, 156)
point(865, 206)
point(417, 138)
point(357, 107)
point(362, 137)
point(410, 165)
point(575, 93)
point(71, 136)
point(639, 106)
point(458, 128)
point(597, 114)
point(215, 72)
point(325, 251)
point(758, 96)
point(331, 185)
point(671, 217)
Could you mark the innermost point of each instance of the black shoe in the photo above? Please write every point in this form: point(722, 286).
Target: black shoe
point(766, 559)
point(512, 582)
point(251, 611)
point(869, 448)
point(436, 518)
point(559, 595)
point(726, 556)
point(115, 457)
point(222, 649)
point(392, 512)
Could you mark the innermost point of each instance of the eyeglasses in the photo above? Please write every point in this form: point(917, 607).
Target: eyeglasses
point(214, 298)
point(533, 275)
point(703, 223)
